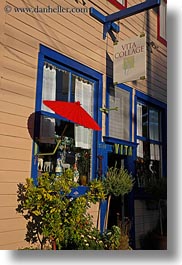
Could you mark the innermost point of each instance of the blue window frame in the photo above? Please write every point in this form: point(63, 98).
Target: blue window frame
point(150, 135)
point(62, 73)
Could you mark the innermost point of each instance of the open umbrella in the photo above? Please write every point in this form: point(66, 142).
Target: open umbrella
point(73, 112)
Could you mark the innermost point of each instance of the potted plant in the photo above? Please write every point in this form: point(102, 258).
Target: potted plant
point(84, 167)
point(118, 182)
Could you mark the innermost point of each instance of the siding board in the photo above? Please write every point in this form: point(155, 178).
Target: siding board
point(8, 201)
point(11, 238)
point(12, 97)
point(18, 89)
point(8, 213)
point(14, 164)
point(8, 188)
point(6, 129)
point(14, 142)
point(79, 45)
point(12, 119)
point(12, 225)
point(7, 176)
point(12, 108)
point(15, 153)
point(12, 65)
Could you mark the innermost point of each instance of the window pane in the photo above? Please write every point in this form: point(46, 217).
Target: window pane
point(154, 124)
point(148, 163)
point(67, 154)
point(62, 85)
point(139, 148)
point(144, 121)
point(77, 140)
point(155, 152)
point(122, 2)
point(73, 80)
point(119, 121)
point(84, 94)
point(55, 85)
point(49, 86)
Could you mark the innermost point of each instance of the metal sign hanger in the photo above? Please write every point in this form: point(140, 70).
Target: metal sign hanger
point(108, 21)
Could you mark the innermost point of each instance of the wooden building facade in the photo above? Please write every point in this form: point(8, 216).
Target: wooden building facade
point(33, 38)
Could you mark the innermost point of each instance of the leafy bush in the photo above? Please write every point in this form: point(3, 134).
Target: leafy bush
point(118, 181)
point(112, 238)
point(53, 217)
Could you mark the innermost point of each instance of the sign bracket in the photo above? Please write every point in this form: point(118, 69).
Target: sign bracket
point(108, 22)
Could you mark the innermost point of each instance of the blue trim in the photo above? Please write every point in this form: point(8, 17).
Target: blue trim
point(101, 18)
point(67, 62)
point(112, 140)
point(52, 115)
point(148, 140)
point(133, 10)
point(37, 107)
point(70, 69)
point(78, 191)
point(70, 65)
point(103, 211)
point(135, 119)
point(143, 97)
point(99, 151)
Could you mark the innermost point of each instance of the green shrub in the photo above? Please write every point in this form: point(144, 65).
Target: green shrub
point(118, 181)
point(52, 216)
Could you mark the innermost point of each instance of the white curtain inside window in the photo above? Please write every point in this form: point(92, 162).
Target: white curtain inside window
point(140, 149)
point(48, 87)
point(47, 124)
point(84, 94)
point(154, 152)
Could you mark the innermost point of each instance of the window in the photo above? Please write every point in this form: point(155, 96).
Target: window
point(149, 143)
point(119, 3)
point(119, 120)
point(162, 32)
point(57, 149)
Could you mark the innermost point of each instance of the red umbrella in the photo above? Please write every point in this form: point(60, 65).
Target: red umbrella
point(73, 111)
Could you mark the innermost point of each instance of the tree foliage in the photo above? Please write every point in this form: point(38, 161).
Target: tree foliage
point(118, 181)
point(52, 216)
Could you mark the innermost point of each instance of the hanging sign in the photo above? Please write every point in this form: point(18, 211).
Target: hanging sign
point(130, 60)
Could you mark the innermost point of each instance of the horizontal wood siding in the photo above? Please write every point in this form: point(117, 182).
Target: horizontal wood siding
point(78, 36)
